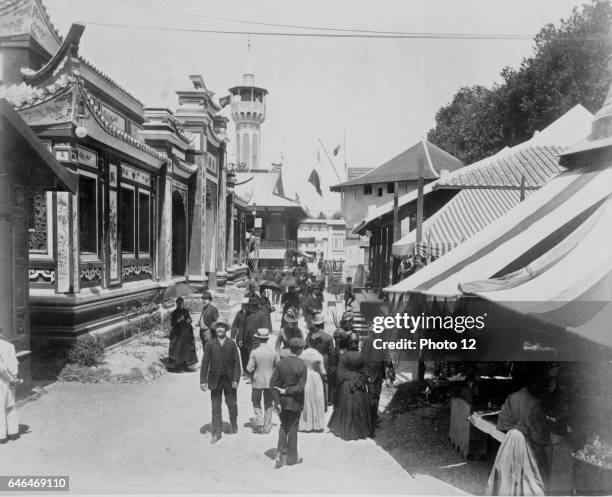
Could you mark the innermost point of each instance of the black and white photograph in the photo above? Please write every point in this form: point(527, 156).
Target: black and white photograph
point(323, 247)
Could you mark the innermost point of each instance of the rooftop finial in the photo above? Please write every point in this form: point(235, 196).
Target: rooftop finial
point(249, 75)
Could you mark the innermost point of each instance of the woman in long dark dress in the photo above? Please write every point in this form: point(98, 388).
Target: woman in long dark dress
point(182, 353)
point(351, 419)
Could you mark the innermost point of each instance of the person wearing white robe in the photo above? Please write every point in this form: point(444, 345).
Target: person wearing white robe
point(9, 427)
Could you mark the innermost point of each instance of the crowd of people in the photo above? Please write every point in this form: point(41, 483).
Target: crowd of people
point(308, 370)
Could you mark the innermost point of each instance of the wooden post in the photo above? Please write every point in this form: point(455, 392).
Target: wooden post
point(419, 219)
point(419, 237)
point(396, 225)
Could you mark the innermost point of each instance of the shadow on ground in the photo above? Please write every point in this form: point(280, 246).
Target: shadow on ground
point(415, 434)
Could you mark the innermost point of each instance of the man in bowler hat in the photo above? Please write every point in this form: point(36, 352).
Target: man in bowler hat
point(288, 382)
point(220, 372)
point(208, 316)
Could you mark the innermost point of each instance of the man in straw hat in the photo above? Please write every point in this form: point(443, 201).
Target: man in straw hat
point(220, 373)
point(288, 382)
point(261, 366)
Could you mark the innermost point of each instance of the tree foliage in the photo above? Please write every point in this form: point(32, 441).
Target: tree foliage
point(568, 67)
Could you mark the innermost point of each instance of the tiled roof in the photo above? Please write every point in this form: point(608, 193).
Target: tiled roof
point(107, 78)
point(537, 164)
point(185, 166)
point(355, 172)
point(122, 135)
point(405, 166)
point(262, 190)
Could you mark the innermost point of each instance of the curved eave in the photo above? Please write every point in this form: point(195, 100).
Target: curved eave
point(70, 43)
point(121, 141)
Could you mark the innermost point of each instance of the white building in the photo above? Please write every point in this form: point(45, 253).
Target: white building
point(323, 236)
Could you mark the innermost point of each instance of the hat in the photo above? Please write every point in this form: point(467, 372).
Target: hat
point(318, 318)
point(347, 315)
point(262, 334)
point(253, 301)
point(207, 295)
point(296, 343)
point(221, 322)
point(291, 315)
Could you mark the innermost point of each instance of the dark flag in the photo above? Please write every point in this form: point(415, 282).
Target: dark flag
point(336, 150)
point(314, 180)
point(224, 101)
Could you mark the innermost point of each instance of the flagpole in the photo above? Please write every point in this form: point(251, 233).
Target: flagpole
point(345, 168)
point(329, 159)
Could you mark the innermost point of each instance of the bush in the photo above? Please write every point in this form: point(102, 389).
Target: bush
point(86, 351)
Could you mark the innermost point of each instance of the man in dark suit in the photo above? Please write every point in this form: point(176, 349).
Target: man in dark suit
point(208, 316)
point(254, 318)
point(320, 340)
point(288, 382)
point(220, 372)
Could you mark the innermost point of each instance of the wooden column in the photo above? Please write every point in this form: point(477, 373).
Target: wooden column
point(221, 220)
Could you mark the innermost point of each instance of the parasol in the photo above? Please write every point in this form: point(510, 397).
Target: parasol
point(270, 285)
point(179, 290)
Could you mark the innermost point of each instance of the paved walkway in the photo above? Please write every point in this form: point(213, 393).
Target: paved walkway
point(133, 438)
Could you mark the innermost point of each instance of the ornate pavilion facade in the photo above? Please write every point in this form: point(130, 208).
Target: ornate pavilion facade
point(152, 207)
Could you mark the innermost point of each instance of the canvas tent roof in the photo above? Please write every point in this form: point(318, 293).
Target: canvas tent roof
point(519, 237)
point(461, 218)
point(580, 299)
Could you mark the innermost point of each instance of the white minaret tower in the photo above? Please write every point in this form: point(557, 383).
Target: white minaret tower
point(248, 111)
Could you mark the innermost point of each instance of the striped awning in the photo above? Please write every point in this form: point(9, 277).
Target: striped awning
point(519, 237)
point(461, 218)
point(549, 258)
point(269, 253)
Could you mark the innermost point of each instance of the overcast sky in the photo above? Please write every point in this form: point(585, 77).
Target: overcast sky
point(384, 92)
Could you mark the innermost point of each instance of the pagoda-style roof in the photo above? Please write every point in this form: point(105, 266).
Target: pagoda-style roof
point(56, 104)
point(29, 17)
point(405, 166)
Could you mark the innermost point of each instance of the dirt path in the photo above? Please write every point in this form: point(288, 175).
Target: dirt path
point(133, 438)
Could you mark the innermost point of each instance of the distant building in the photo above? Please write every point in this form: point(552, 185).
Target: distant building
point(375, 187)
point(325, 237)
point(276, 216)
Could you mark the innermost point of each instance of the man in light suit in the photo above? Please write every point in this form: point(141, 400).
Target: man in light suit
point(261, 365)
point(220, 372)
point(9, 427)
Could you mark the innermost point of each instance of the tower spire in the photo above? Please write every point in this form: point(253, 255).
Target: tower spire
point(248, 111)
point(249, 74)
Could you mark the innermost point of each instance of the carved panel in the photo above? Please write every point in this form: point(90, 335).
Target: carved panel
point(133, 174)
point(211, 195)
point(113, 234)
point(37, 237)
point(136, 269)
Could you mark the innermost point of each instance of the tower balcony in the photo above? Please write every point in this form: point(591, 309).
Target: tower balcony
point(248, 106)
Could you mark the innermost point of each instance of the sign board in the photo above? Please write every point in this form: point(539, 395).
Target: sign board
point(86, 156)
